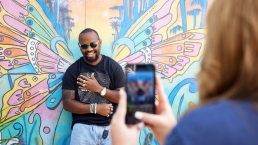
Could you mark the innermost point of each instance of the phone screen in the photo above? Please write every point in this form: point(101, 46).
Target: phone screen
point(140, 89)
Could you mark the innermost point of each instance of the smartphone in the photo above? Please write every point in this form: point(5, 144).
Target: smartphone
point(140, 89)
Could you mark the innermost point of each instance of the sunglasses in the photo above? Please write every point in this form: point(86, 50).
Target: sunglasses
point(92, 45)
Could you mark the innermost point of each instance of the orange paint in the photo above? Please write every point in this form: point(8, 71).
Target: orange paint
point(14, 52)
point(8, 41)
point(32, 91)
point(170, 49)
point(12, 34)
point(32, 102)
point(170, 60)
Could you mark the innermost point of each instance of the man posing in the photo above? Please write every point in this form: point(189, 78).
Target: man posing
point(91, 91)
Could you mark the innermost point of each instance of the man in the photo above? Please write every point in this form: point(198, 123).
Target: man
point(91, 91)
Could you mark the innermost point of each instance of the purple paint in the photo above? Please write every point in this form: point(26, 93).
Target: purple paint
point(16, 24)
point(16, 98)
point(162, 22)
point(6, 64)
point(23, 2)
point(46, 130)
point(179, 47)
point(164, 9)
point(24, 83)
point(14, 9)
point(195, 49)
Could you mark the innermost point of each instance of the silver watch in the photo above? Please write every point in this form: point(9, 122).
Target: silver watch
point(103, 92)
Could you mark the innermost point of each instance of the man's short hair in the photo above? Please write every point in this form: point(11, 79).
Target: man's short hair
point(88, 30)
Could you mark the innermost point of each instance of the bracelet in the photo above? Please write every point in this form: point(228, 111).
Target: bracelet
point(95, 107)
point(91, 108)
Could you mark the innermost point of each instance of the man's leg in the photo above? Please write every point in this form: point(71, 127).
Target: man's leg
point(83, 134)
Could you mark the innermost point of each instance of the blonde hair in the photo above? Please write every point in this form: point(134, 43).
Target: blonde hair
point(229, 68)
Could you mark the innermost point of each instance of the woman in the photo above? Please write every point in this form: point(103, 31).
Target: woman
point(228, 87)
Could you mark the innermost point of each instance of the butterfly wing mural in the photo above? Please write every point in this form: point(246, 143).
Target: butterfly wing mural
point(38, 42)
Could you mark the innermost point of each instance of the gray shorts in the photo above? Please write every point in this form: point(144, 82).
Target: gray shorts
point(83, 134)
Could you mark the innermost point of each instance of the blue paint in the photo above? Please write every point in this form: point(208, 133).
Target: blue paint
point(10, 135)
point(175, 29)
point(145, 132)
point(65, 141)
point(34, 124)
point(193, 88)
point(18, 126)
point(179, 108)
point(59, 29)
point(10, 81)
point(155, 141)
point(57, 96)
point(203, 4)
point(27, 69)
point(184, 23)
point(195, 13)
point(127, 22)
point(54, 42)
point(23, 117)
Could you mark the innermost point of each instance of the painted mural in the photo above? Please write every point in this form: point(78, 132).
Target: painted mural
point(38, 42)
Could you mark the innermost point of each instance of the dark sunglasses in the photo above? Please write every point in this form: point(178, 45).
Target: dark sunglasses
point(92, 45)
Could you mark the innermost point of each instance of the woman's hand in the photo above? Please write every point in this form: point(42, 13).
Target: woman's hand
point(163, 121)
point(120, 133)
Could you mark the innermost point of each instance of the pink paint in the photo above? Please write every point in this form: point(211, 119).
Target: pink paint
point(24, 83)
point(29, 103)
point(6, 64)
point(2, 57)
point(14, 9)
point(42, 48)
point(168, 71)
point(16, 98)
point(46, 130)
point(43, 57)
point(164, 10)
point(49, 70)
point(49, 118)
point(156, 38)
point(198, 36)
point(16, 24)
point(45, 67)
point(13, 111)
point(131, 57)
point(137, 60)
point(20, 61)
point(34, 90)
point(162, 22)
point(183, 62)
point(23, 2)
point(195, 49)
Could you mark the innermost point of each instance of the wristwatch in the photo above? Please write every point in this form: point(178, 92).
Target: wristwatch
point(103, 92)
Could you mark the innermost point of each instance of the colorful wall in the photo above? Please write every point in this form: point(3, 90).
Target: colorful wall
point(38, 41)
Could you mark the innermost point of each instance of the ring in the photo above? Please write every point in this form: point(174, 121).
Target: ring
point(83, 85)
point(108, 115)
point(84, 81)
point(111, 112)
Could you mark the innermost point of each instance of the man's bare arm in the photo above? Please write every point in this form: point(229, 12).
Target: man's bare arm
point(111, 95)
point(71, 105)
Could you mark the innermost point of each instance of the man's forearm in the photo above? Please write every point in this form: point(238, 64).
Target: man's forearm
point(71, 105)
point(76, 107)
point(111, 95)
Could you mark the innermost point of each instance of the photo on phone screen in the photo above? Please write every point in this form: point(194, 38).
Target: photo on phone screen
point(140, 89)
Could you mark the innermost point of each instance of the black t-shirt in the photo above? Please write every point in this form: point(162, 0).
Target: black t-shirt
point(107, 72)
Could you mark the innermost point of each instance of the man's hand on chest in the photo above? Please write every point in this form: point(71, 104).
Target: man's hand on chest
point(89, 84)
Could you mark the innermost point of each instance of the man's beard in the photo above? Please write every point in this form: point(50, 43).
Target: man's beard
point(91, 60)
